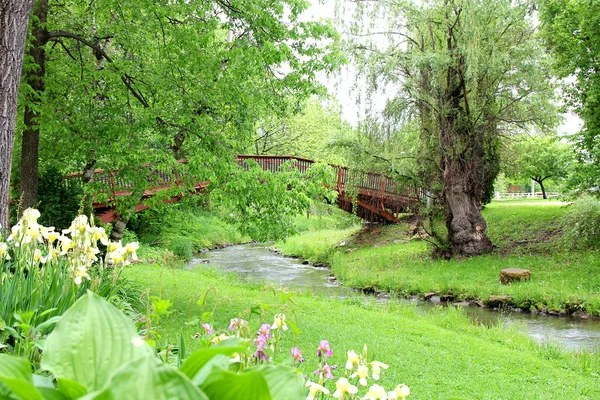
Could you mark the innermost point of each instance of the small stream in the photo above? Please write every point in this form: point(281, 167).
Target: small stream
point(255, 263)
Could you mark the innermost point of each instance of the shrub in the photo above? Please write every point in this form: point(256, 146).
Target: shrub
point(184, 220)
point(59, 202)
point(582, 222)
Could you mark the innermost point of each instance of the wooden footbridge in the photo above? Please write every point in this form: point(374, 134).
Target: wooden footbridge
point(378, 197)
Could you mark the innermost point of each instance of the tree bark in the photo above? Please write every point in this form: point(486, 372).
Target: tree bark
point(31, 134)
point(464, 161)
point(14, 19)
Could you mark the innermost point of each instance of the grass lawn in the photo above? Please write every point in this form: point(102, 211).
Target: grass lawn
point(439, 355)
point(526, 235)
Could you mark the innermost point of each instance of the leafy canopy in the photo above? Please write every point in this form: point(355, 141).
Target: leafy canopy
point(538, 157)
point(571, 29)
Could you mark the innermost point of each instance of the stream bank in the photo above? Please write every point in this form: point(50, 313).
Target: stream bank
point(257, 263)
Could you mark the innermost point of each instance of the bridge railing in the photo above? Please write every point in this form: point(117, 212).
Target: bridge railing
point(274, 163)
point(115, 181)
point(373, 183)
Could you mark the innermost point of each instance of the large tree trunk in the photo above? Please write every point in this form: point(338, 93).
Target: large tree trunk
point(14, 18)
point(31, 134)
point(464, 153)
point(466, 226)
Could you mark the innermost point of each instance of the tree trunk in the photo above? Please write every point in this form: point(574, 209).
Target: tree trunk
point(544, 196)
point(464, 160)
point(118, 228)
point(466, 226)
point(31, 134)
point(14, 18)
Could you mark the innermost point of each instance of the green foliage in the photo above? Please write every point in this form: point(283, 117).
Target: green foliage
point(187, 222)
point(571, 29)
point(323, 217)
point(467, 71)
point(538, 157)
point(129, 85)
point(307, 134)
point(92, 341)
point(582, 223)
point(384, 146)
point(16, 374)
point(59, 203)
point(182, 247)
point(96, 353)
point(263, 204)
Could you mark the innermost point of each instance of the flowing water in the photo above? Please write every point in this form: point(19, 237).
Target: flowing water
point(256, 263)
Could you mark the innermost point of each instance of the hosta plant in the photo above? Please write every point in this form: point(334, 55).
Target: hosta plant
point(95, 352)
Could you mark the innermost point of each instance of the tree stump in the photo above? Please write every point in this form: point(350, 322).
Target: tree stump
point(510, 275)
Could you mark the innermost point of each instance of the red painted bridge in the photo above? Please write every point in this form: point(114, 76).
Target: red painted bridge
point(379, 198)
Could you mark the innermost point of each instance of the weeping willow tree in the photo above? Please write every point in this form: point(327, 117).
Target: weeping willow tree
point(468, 72)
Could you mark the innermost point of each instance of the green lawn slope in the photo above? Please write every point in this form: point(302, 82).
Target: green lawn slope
point(439, 354)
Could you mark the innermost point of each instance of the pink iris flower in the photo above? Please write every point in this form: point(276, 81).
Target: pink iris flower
point(208, 329)
point(297, 355)
point(324, 348)
point(327, 370)
point(265, 330)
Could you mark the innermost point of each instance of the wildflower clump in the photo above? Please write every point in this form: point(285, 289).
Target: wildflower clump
point(31, 245)
point(359, 375)
point(44, 271)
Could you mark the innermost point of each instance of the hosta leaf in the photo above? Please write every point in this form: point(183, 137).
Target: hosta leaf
point(284, 382)
point(90, 342)
point(148, 379)
point(226, 385)
point(15, 373)
point(71, 389)
point(199, 364)
point(262, 383)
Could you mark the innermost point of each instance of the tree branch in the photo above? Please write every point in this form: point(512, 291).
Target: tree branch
point(54, 35)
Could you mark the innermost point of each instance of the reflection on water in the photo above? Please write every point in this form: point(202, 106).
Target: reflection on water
point(255, 263)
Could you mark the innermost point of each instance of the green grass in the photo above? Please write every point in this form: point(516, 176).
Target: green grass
point(323, 217)
point(438, 354)
point(528, 235)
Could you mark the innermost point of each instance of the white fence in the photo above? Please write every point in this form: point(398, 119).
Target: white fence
point(536, 195)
